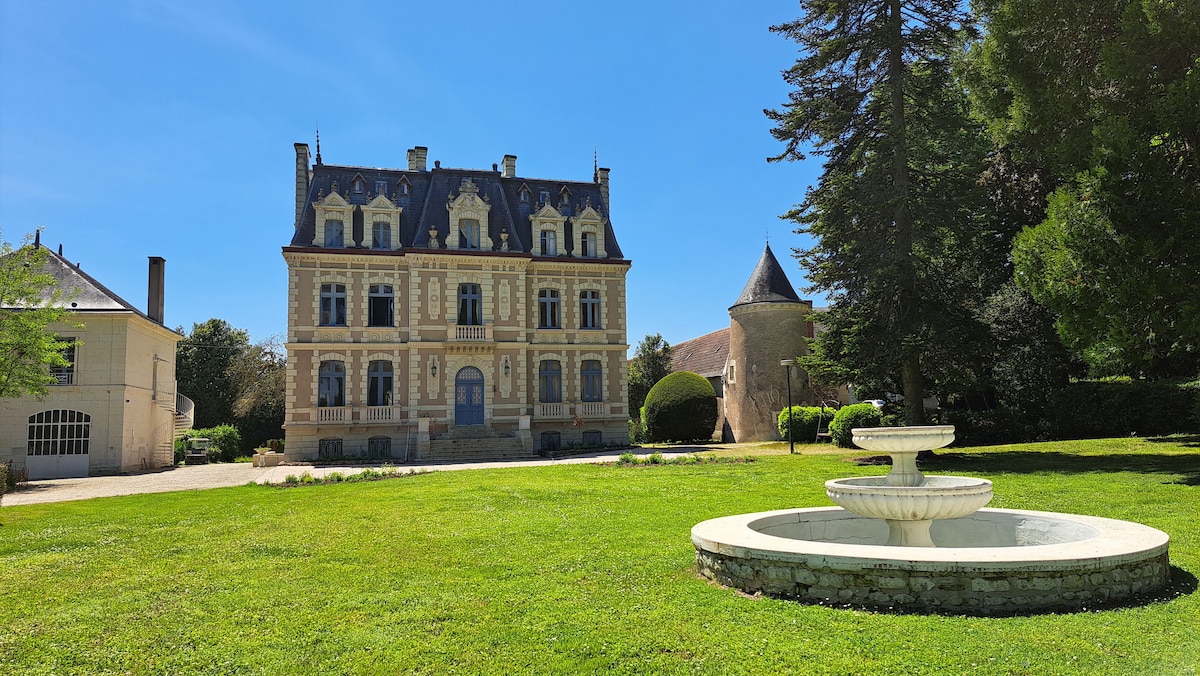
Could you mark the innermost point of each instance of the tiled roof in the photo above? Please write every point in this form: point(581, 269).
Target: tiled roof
point(768, 283)
point(424, 206)
point(705, 355)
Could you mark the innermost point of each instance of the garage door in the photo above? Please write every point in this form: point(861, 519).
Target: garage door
point(58, 444)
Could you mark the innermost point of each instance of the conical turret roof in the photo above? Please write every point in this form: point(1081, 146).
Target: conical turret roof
point(768, 283)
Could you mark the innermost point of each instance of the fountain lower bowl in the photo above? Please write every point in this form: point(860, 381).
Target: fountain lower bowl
point(939, 497)
point(1003, 561)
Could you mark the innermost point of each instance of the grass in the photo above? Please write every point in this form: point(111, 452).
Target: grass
point(561, 569)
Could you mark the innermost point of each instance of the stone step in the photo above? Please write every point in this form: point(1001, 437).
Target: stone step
point(466, 450)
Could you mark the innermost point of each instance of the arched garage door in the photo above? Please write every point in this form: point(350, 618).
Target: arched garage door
point(58, 444)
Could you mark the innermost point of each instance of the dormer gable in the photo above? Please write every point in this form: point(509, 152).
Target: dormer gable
point(524, 194)
point(384, 212)
point(548, 227)
point(468, 218)
point(332, 211)
point(588, 225)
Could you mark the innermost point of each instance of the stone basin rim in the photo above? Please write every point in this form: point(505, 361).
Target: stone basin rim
point(942, 485)
point(1114, 540)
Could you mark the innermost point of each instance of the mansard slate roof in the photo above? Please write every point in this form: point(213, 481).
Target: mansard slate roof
point(705, 355)
point(430, 190)
point(768, 283)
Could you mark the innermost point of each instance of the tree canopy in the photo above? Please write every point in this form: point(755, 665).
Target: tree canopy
point(29, 304)
point(651, 363)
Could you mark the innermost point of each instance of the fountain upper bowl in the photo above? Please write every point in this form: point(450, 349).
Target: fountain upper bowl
point(903, 439)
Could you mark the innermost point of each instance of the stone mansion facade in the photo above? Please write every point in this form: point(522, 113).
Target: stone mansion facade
point(434, 304)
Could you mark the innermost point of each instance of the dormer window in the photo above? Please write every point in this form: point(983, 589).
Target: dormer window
point(381, 235)
point(380, 187)
point(543, 196)
point(403, 187)
point(587, 245)
point(334, 234)
point(468, 231)
point(564, 197)
point(549, 243)
point(359, 186)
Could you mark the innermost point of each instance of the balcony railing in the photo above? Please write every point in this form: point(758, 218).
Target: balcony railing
point(481, 332)
point(381, 413)
point(593, 408)
point(558, 410)
point(331, 414)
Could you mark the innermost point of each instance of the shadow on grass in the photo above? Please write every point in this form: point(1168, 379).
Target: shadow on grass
point(1186, 465)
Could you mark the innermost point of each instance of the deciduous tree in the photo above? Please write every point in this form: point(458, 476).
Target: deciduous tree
point(29, 304)
point(651, 363)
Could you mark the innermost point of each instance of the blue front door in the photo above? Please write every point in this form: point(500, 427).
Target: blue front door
point(468, 396)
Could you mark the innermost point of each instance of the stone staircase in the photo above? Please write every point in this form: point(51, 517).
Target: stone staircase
point(475, 444)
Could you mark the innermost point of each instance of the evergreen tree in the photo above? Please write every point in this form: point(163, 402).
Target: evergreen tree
point(651, 363)
point(901, 246)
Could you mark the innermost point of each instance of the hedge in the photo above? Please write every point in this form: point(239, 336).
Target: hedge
point(804, 421)
point(680, 407)
point(849, 417)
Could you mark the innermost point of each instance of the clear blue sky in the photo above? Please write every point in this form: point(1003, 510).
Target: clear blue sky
point(135, 128)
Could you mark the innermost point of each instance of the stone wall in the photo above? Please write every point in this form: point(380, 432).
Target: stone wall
point(952, 592)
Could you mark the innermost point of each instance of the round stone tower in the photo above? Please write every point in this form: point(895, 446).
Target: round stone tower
point(768, 324)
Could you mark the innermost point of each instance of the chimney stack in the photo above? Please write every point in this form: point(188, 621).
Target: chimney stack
point(155, 289)
point(510, 166)
point(302, 178)
point(417, 158)
point(602, 179)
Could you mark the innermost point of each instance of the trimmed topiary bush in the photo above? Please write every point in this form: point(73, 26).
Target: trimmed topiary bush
point(681, 407)
point(849, 417)
point(805, 421)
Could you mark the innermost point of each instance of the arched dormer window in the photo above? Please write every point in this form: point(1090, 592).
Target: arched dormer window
point(588, 233)
point(468, 219)
point(403, 186)
point(549, 231)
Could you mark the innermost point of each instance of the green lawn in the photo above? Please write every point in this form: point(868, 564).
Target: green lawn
point(565, 569)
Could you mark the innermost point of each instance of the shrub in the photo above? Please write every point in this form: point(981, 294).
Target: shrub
point(5, 473)
point(627, 458)
point(637, 432)
point(804, 420)
point(225, 447)
point(1115, 408)
point(849, 417)
point(681, 407)
point(997, 426)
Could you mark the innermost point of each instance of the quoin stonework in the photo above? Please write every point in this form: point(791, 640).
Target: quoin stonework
point(443, 313)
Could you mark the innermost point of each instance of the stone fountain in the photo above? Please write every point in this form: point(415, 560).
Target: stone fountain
point(926, 543)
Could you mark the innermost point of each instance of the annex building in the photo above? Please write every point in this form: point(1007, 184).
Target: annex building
point(450, 313)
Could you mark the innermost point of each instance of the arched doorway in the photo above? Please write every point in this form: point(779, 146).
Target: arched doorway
point(58, 444)
point(468, 396)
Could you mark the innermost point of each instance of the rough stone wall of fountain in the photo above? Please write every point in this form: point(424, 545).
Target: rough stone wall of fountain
point(945, 591)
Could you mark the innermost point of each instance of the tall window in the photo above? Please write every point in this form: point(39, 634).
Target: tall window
point(470, 305)
point(334, 234)
point(333, 305)
point(589, 310)
point(468, 229)
point(380, 305)
point(381, 235)
point(549, 243)
point(550, 382)
point(548, 314)
point(379, 383)
point(588, 245)
point(331, 384)
point(65, 375)
point(593, 381)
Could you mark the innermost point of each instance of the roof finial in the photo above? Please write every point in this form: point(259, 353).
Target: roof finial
point(37, 237)
point(595, 166)
point(318, 141)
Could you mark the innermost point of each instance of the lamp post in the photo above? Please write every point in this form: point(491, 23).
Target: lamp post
point(787, 363)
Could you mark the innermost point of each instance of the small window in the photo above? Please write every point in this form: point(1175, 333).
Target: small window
point(65, 375)
point(404, 188)
point(543, 196)
point(359, 186)
point(381, 235)
point(731, 372)
point(549, 243)
point(334, 234)
point(468, 233)
point(333, 305)
point(593, 438)
point(329, 449)
point(550, 382)
point(379, 447)
point(331, 384)
point(524, 196)
point(380, 187)
point(593, 381)
point(548, 309)
point(589, 309)
point(380, 305)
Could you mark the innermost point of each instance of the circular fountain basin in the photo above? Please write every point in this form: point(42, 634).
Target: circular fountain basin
point(903, 439)
point(940, 497)
point(1003, 561)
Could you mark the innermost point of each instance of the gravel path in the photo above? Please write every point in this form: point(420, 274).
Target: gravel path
point(198, 477)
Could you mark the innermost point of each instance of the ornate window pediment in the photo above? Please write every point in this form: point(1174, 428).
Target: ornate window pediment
point(382, 210)
point(468, 219)
point(588, 222)
point(335, 209)
point(548, 225)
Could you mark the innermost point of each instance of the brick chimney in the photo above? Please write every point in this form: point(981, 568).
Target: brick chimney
point(602, 179)
point(510, 166)
point(156, 288)
point(302, 178)
point(417, 158)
